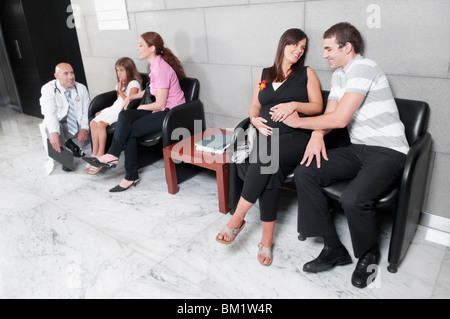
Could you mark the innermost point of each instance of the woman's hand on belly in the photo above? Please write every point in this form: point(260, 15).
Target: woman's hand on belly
point(260, 124)
point(282, 111)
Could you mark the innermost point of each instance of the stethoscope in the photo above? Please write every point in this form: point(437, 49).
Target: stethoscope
point(75, 86)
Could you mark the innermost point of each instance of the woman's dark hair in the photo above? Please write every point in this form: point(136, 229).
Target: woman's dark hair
point(289, 37)
point(130, 68)
point(153, 38)
point(345, 33)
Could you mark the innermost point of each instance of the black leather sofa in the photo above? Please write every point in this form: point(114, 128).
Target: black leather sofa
point(404, 201)
point(182, 116)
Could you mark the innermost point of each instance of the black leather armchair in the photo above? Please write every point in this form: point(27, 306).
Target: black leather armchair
point(107, 99)
point(406, 198)
point(183, 116)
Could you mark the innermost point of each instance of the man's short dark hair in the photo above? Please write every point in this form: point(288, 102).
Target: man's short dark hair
point(345, 33)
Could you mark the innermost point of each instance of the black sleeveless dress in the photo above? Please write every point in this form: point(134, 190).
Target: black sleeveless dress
point(293, 89)
point(291, 143)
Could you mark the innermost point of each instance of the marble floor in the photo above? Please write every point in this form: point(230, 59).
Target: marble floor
point(64, 235)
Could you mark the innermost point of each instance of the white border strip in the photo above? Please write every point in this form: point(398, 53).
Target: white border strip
point(434, 221)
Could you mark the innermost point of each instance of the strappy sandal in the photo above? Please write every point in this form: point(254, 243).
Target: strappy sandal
point(266, 251)
point(94, 170)
point(231, 232)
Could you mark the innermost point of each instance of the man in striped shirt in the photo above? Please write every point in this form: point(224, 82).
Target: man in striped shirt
point(361, 100)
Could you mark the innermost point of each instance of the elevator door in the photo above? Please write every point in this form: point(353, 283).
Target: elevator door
point(8, 91)
point(37, 38)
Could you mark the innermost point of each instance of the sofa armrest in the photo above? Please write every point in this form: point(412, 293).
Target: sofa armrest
point(235, 183)
point(238, 132)
point(410, 198)
point(244, 124)
point(100, 102)
point(189, 118)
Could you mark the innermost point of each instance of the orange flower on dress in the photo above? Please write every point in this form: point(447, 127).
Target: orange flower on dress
point(262, 85)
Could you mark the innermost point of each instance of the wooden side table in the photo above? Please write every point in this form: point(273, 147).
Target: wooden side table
point(185, 151)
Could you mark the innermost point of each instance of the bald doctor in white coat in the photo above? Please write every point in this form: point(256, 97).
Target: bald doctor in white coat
point(55, 108)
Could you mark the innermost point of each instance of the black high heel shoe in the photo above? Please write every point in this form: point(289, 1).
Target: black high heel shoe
point(95, 162)
point(119, 188)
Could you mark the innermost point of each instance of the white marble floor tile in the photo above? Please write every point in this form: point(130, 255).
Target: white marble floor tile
point(28, 171)
point(47, 253)
point(159, 283)
point(65, 236)
point(232, 271)
point(152, 221)
point(442, 287)
point(24, 127)
point(15, 198)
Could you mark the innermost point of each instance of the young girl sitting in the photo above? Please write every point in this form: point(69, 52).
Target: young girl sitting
point(129, 83)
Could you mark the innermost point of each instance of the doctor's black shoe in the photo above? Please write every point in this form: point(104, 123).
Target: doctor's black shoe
point(74, 148)
point(66, 169)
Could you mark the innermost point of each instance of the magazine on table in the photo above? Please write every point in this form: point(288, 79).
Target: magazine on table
point(216, 143)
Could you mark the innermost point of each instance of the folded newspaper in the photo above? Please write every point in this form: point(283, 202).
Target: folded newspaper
point(216, 143)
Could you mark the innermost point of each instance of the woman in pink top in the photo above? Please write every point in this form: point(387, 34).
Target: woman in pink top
point(165, 73)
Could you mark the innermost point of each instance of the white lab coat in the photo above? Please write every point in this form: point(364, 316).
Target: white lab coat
point(54, 105)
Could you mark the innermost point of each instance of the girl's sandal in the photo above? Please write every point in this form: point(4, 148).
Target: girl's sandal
point(231, 232)
point(94, 170)
point(266, 251)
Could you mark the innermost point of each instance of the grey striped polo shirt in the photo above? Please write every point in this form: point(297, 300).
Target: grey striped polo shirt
point(377, 121)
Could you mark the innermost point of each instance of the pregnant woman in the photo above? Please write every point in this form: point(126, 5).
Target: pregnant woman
point(286, 87)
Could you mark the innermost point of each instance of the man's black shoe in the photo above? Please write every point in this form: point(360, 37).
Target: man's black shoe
point(76, 150)
point(366, 268)
point(329, 257)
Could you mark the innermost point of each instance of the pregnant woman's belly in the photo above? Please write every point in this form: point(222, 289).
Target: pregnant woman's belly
point(283, 128)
